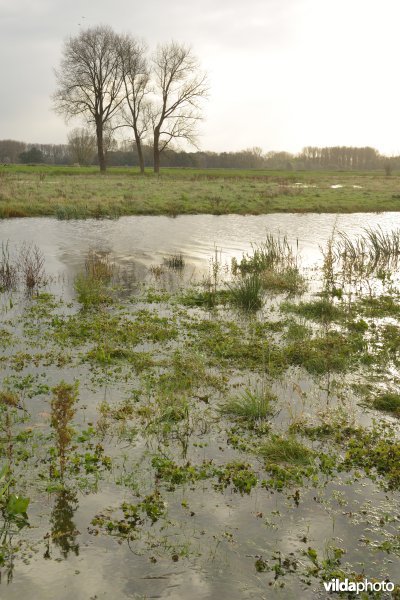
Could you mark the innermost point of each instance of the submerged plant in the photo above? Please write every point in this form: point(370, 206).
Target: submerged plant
point(63, 410)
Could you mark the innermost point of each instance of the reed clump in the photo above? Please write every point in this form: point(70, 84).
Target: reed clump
point(367, 253)
point(8, 270)
point(275, 262)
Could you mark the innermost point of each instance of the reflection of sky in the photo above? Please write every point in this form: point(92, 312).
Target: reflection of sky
point(148, 239)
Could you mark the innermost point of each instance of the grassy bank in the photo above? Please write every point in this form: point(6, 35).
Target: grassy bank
point(81, 192)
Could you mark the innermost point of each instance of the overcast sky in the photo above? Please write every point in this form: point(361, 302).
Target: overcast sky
point(283, 73)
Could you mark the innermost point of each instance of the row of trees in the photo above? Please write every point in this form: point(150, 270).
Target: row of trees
point(111, 81)
point(81, 149)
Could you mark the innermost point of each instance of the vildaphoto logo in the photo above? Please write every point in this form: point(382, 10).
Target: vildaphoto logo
point(336, 585)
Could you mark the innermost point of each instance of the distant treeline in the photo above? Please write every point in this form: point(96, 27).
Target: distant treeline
point(125, 154)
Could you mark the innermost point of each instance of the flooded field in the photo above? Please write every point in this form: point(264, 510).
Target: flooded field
point(205, 406)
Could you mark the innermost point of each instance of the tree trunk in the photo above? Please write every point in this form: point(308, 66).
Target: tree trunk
point(100, 146)
point(156, 152)
point(140, 153)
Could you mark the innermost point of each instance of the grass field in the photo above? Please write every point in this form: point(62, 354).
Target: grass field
point(81, 192)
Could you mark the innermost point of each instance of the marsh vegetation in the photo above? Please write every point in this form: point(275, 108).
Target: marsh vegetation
point(232, 435)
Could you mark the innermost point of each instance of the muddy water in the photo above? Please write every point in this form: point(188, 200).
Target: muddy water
point(227, 531)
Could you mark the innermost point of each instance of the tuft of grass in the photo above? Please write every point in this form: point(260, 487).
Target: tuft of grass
point(288, 279)
point(8, 270)
point(332, 352)
point(98, 266)
point(250, 405)
point(246, 292)
point(176, 261)
point(91, 286)
point(285, 450)
point(389, 402)
point(319, 310)
point(91, 291)
point(273, 253)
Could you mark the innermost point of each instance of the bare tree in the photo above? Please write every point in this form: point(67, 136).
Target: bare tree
point(179, 88)
point(81, 146)
point(136, 76)
point(89, 80)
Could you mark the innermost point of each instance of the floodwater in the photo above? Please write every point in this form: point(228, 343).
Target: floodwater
point(227, 531)
point(146, 240)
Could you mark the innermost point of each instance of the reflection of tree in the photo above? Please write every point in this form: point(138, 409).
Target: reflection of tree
point(6, 550)
point(63, 530)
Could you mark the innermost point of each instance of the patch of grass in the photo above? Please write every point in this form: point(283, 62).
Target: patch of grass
point(376, 452)
point(272, 254)
point(247, 292)
point(331, 352)
point(288, 280)
point(91, 291)
point(389, 402)
point(287, 450)
point(318, 310)
point(250, 405)
point(205, 299)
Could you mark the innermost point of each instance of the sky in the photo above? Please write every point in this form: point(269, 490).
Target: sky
point(283, 74)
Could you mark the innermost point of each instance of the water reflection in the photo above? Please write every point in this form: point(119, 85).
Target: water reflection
point(63, 530)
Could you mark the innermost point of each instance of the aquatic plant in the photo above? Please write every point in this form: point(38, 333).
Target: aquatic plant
point(31, 266)
point(63, 410)
point(274, 252)
point(98, 266)
point(8, 270)
point(365, 254)
point(285, 450)
point(389, 402)
point(176, 261)
point(246, 292)
point(250, 405)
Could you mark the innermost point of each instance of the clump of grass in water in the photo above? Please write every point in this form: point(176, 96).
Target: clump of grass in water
point(272, 253)
point(285, 450)
point(63, 410)
point(320, 310)
point(8, 270)
point(176, 261)
point(98, 266)
point(276, 264)
point(31, 266)
point(250, 405)
point(90, 286)
point(389, 402)
point(365, 254)
point(246, 292)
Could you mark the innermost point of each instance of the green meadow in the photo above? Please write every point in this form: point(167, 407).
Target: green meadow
point(82, 192)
